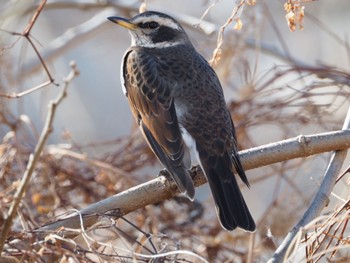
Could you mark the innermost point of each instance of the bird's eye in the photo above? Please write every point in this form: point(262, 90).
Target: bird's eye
point(149, 25)
point(153, 25)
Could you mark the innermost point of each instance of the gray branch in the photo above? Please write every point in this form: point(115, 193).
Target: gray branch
point(160, 189)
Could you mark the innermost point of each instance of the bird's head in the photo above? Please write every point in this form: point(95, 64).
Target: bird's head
point(153, 29)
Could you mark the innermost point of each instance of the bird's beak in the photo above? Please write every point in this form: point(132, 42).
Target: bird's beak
point(123, 22)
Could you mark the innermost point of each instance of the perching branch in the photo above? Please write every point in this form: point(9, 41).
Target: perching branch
point(33, 158)
point(160, 189)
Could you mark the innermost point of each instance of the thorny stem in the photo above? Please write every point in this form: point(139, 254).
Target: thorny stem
point(33, 158)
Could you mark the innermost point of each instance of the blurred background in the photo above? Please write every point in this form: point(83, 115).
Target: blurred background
point(278, 84)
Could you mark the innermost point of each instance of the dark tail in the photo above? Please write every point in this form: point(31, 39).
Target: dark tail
point(231, 207)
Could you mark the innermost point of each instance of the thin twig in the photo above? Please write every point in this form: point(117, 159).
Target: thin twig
point(26, 92)
point(33, 158)
point(220, 41)
point(26, 34)
point(34, 18)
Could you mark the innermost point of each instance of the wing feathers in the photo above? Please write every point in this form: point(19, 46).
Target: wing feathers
point(152, 104)
point(179, 173)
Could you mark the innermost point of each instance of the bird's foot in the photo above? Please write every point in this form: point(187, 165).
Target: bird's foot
point(166, 174)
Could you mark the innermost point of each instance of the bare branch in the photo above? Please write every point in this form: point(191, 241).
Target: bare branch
point(69, 39)
point(30, 25)
point(220, 41)
point(33, 158)
point(28, 91)
point(26, 34)
point(160, 189)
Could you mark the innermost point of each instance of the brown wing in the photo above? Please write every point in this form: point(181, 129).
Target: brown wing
point(152, 104)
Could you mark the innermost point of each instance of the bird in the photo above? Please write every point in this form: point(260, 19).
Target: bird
point(178, 103)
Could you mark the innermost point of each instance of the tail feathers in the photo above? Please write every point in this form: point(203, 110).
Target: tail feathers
point(231, 207)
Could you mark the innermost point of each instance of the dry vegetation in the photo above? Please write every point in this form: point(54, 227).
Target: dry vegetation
point(42, 183)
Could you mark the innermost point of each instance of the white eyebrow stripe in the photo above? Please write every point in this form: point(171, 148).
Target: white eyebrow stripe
point(160, 20)
point(158, 45)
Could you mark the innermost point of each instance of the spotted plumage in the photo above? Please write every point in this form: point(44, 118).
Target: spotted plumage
point(178, 102)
